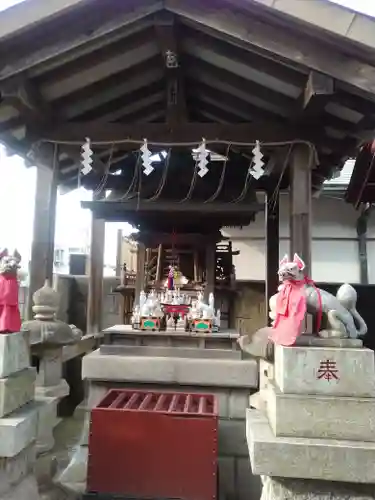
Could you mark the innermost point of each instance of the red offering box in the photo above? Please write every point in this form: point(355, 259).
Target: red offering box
point(154, 445)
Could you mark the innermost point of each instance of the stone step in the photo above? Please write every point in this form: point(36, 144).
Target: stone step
point(170, 370)
point(328, 417)
point(13, 469)
point(161, 351)
point(14, 353)
point(18, 430)
point(16, 390)
point(330, 371)
point(325, 459)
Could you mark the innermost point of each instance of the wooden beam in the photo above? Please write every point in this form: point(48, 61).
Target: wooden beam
point(277, 42)
point(192, 239)
point(135, 205)
point(312, 132)
point(163, 133)
point(175, 92)
point(316, 94)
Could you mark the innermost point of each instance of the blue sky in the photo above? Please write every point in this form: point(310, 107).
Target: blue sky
point(17, 199)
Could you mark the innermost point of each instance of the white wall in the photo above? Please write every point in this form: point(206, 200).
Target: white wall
point(334, 245)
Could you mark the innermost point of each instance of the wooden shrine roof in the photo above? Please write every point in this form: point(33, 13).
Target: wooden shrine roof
point(274, 71)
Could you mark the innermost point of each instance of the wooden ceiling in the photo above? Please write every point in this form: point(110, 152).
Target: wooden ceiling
point(243, 73)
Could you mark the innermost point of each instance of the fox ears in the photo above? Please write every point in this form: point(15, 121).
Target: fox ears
point(296, 259)
point(17, 256)
point(5, 253)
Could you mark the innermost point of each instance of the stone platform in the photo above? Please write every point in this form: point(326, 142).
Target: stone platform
point(186, 369)
point(125, 335)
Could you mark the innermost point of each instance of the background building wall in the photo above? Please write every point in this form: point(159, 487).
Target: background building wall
point(335, 256)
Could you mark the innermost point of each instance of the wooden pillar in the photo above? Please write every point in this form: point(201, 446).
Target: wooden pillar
point(210, 269)
point(140, 277)
point(159, 263)
point(96, 268)
point(119, 262)
point(272, 249)
point(300, 205)
point(42, 249)
point(362, 226)
point(196, 266)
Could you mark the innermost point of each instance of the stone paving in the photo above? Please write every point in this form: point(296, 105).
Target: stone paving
point(67, 435)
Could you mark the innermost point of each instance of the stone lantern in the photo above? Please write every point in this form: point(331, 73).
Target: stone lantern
point(48, 336)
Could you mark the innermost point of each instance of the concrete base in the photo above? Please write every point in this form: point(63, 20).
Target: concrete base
point(320, 417)
point(304, 370)
point(275, 488)
point(16, 390)
point(27, 489)
point(14, 353)
point(327, 459)
point(18, 430)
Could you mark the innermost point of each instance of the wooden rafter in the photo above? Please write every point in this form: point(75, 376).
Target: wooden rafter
point(277, 43)
point(131, 18)
point(319, 88)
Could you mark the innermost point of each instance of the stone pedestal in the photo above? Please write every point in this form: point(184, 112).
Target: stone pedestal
point(18, 419)
point(216, 371)
point(276, 488)
point(317, 423)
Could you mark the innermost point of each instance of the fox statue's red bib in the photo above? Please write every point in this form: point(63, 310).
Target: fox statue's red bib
point(10, 318)
point(290, 309)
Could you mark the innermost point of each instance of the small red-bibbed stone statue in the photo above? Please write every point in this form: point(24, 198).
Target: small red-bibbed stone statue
point(10, 318)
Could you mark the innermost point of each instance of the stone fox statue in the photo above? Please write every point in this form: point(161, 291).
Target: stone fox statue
point(339, 316)
point(10, 319)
